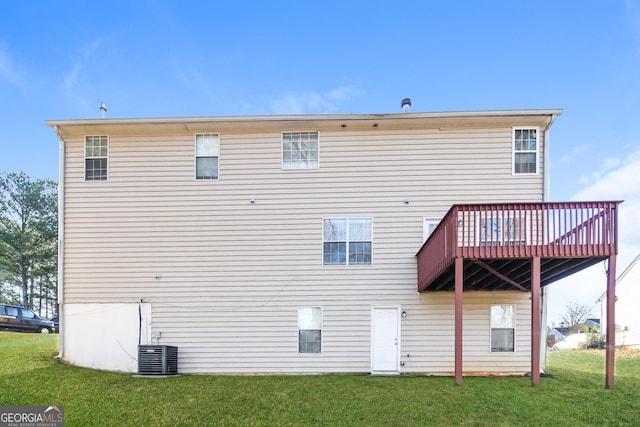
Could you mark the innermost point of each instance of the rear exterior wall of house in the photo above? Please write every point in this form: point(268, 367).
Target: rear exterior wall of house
point(224, 264)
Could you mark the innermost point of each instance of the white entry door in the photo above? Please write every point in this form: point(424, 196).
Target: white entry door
point(385, 345)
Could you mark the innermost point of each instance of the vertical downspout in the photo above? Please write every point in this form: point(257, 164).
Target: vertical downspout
point(545, 176)
point(61, 162)
point(544, 292)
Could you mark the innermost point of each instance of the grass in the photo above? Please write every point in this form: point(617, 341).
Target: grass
point(573, 394)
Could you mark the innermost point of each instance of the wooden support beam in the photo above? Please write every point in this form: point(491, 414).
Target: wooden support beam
point(535, 321)
point(459, 282)
point(611, 323)
point(500, 275)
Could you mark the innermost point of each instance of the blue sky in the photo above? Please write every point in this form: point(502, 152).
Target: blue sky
point(58, 60)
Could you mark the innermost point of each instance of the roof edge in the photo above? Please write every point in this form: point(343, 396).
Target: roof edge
point(624, 273)
point(305, 117)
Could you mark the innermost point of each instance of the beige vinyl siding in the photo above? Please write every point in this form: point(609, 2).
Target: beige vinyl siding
point(428, 339)
point(234, 273)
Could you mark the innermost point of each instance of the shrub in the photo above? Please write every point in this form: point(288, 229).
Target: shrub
point(596, 341)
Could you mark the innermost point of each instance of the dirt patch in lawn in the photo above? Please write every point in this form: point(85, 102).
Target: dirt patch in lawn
point(627, 352)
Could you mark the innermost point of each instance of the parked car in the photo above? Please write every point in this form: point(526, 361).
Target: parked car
point(56, 323)
point(571, 342)
point(553, 336)
point(21, 319)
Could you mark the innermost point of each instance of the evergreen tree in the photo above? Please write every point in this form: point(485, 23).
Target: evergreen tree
point(28, 240)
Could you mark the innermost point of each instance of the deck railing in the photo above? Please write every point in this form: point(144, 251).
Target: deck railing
point(519, 230)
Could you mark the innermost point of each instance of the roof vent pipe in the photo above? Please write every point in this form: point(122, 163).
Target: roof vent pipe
point(103, 109)
point(406, 104)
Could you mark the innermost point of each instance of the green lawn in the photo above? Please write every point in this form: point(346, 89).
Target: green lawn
point(573, 395)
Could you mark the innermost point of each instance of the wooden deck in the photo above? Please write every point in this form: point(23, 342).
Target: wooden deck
point(497, 242)
point(521, 246)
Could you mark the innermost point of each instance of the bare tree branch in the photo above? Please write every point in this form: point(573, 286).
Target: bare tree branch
point(576, 314)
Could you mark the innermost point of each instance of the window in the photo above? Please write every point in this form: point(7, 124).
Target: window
point(501, 230)
point(27, 314)
point(503, 327)
point(207, 154)
point(96, 154)
point(428, 225)
point(347, 241)
point(299, 150)
point(525, 151)
point(309, 329)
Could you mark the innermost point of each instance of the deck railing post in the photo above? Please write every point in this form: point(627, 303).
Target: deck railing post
point(459, 279)
point(611, 323)
point(535, 321)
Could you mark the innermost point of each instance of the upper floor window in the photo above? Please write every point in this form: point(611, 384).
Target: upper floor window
point(207, 155)
point(299, 150)
point(525, 150)
point(347, 241)
point(96, 155)
point(503, 327)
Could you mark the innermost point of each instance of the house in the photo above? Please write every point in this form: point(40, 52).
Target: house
point(366, 243)
point(627, 320)
point(592, 325)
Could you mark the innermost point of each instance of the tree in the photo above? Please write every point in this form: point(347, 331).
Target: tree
point(576, 314)
point(28, 238)
point(8, 293)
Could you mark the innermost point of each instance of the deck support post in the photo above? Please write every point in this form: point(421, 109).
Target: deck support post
point(459, 282)
point(611, 322)
point(535, 321)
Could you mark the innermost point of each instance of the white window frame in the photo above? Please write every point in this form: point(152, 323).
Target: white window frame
point(216, 156)
point(347, 240)
point(303, 163)
point(511, 325)
point(300, 324)
point(515, 152)
point(429, 224)
point(94, 157)
point(498, 235)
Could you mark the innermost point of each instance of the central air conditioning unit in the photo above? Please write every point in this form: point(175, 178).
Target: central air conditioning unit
point(157, 360)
